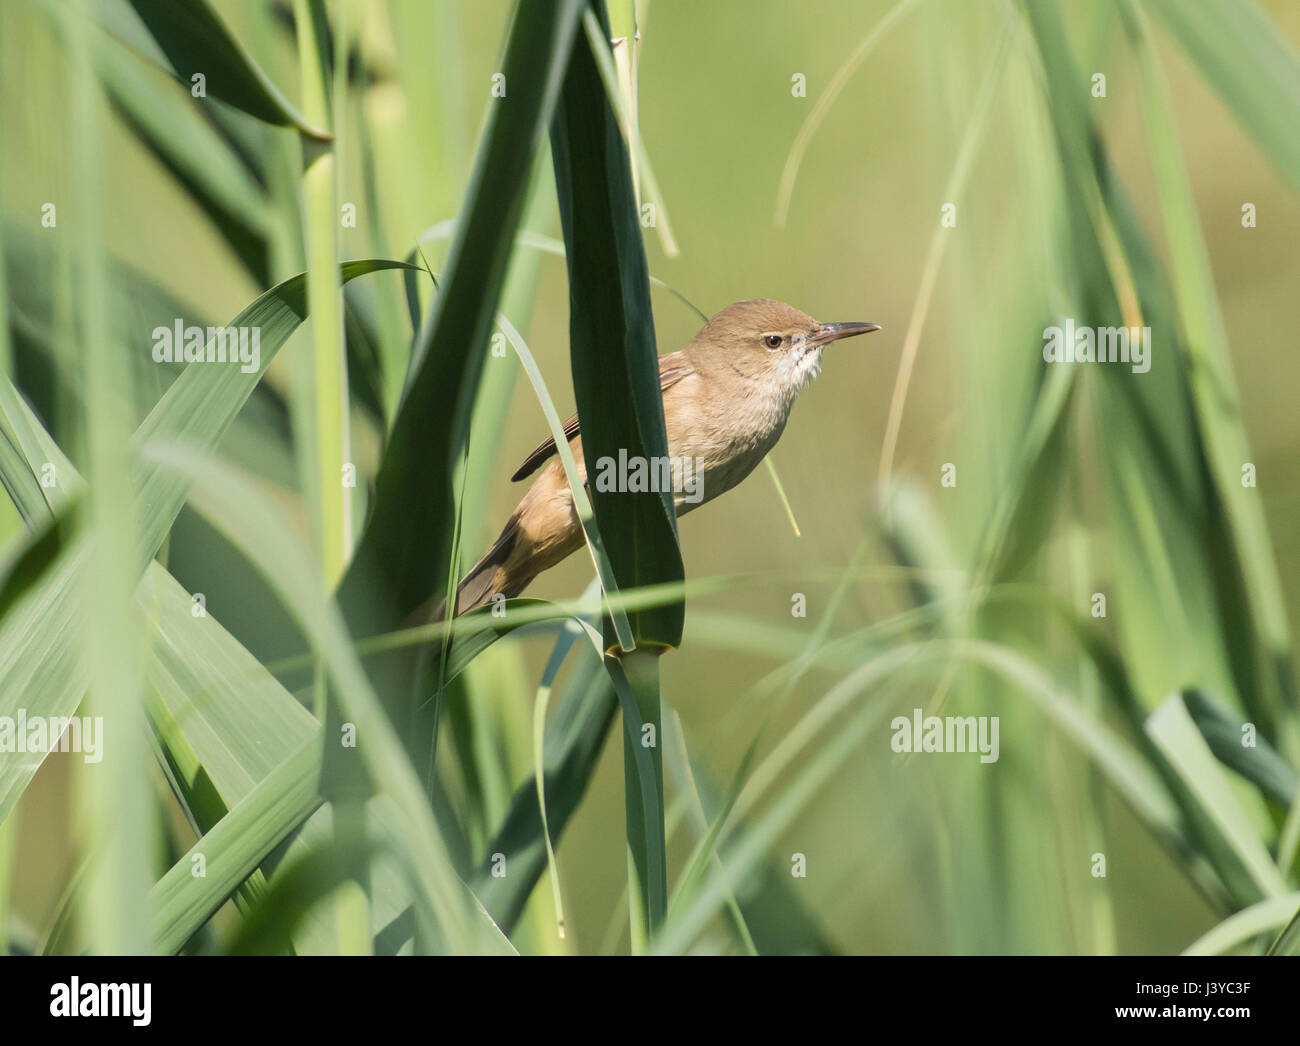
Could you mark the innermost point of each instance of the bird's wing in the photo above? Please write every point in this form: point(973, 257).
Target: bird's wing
point(672, 369)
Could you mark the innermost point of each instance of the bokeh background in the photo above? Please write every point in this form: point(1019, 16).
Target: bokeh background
point(921, 854)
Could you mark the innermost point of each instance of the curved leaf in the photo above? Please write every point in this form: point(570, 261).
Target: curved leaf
point(196, 41)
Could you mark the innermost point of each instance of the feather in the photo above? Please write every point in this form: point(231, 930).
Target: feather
point(672, 369)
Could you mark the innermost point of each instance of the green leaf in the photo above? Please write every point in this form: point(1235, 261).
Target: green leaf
point(1216, 815)
point(616, 384)
point(575, 738)
point(753, 844)
point(1250, 62)
point(235, 847)
point(1258, 637)
point(1224, 732)
point(221, 721)
point(196, 41)
point(412, 516)
point(581, 499)
point(404, 551)
point(1198, 602)
point(168, 124)
point(223, 726)
point(455, 915)
point(1288, 941)
point(636, 682)
point(34, 552)
point(768, 916)
point(611, 341)
point(1249, 923)
point(39, 669)
point(258, 439)
point(269, 927)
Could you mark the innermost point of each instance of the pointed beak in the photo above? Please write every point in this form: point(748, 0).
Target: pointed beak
point(829, 332)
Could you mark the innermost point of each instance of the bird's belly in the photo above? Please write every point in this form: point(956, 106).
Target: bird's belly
point(717, 476)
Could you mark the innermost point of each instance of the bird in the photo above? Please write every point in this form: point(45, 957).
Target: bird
point(726, 397)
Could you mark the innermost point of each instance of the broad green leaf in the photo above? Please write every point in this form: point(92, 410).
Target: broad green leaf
point(269, 927)
point(575, 738)
point(1213, 624)
point(258, 440)
point(611, 341)
point(457, 918)
point(235, 847)
point(222, 724)
point(170, 126)
point(1216, 815)
point(29, 556)
point(197, 43)
point(404, 549)
point(1261, 656)
point(392, 573)
point(38, 667)
point(1251, 756)
point(616, 385)
point(1288, 941)
point(1246, 925)
point(1250, 62)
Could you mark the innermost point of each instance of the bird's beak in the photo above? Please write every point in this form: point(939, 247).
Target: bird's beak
point(829, 332)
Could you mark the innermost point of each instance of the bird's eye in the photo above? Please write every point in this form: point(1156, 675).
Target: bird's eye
point(772, 341)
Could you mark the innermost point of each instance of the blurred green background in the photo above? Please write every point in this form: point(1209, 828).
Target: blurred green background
point(930, 853)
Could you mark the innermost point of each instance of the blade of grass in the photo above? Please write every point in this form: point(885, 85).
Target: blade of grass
point(196, 41)
point(459, 919)
point(625, 107)
point(954, 192)
point(37, 649)
point(116, 830)
point(1225, 733)
point(1253, 66)
point(1216, 814)
point(234, 848)
point(615, 371)
point(322, 397)
point(193, 151)
point(1288, 941)
point(794, 159)
point(581, 501)
point(1246, 925)
point(1213, 389)
point(405, 546)
point(575, 737)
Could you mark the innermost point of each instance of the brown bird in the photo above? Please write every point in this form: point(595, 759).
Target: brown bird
point(726, 397)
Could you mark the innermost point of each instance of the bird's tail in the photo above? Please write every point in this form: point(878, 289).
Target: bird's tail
point(490, 576)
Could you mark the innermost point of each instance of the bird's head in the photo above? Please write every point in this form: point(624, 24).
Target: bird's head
point(768, 343)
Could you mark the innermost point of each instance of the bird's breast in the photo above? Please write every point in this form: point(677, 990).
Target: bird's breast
point(721, 443)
